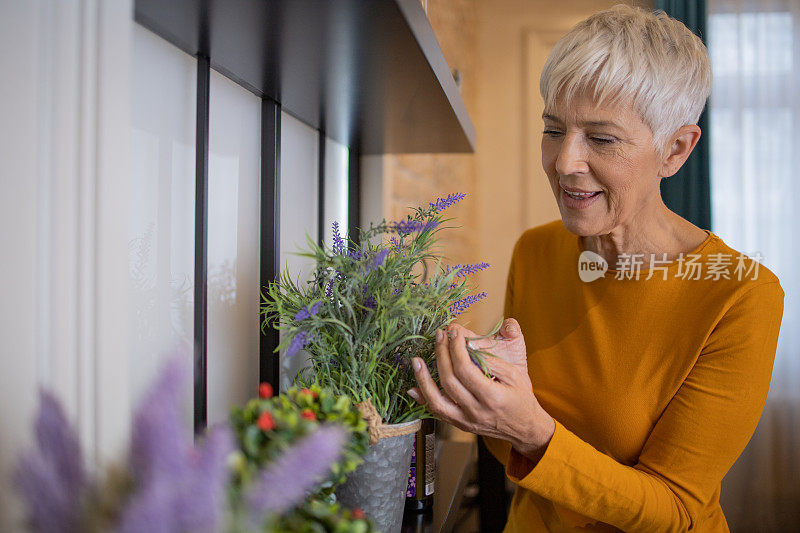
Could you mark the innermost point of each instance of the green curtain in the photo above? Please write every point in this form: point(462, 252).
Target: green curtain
point(688, 192)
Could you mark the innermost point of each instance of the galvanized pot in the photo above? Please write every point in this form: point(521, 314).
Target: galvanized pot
point(378, 485)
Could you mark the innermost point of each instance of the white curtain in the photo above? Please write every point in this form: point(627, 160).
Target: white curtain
point(755, 188)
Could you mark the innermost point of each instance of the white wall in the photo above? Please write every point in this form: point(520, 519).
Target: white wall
point(97, 210)
point(63, 196)
point(335, 203)
point(161, 215)
point(163, 225)
point(233, 246)
point(298, 206)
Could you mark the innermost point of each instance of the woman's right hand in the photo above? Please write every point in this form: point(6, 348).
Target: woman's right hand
point(508, 344)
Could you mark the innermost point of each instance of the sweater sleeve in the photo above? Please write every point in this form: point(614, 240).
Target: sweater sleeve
point(704, 428)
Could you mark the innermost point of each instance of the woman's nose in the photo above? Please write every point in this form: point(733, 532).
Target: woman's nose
point(571, 158)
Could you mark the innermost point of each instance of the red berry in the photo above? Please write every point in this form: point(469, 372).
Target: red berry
point(265, 390)
point(308, 414)
point(358, 514)
point(266, 422)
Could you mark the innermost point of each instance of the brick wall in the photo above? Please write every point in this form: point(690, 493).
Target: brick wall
point(416, 179)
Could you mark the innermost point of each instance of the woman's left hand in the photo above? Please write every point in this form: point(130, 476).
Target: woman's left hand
point(504, 407)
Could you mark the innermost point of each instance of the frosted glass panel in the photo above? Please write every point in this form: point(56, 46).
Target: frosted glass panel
point(233, 246)
point(335, 207)
point(299, 191)
point(161, 245)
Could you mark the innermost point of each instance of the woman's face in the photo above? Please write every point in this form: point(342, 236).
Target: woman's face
point(604, 156)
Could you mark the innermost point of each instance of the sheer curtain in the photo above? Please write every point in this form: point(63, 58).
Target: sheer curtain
point(755, 189)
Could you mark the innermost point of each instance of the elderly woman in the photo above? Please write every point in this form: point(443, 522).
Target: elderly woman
point(618, 403)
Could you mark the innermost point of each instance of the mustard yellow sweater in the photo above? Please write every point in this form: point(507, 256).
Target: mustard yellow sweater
point(656, 385)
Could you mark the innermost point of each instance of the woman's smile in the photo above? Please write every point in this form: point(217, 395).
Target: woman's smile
point(573, 199)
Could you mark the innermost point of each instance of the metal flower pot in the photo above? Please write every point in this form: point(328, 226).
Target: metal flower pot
point(378, 485)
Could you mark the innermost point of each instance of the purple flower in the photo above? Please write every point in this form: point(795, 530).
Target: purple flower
point(338, 243)
point(465, 270)
point(307, 311)
point(297, 343)
point(177, 486)
point(284, 483)
point(443, 203)
point(355, 254)
point(399, 361)
point(369, 301)
point(52, 479)
point(413, 226)
point(192, 501)
point(464, 303)
point(377, 260)
point(159, 440)
point(395, 244)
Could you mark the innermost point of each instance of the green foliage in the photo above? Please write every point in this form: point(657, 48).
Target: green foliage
point(369, 309)
point(319, 516)
point(295, 414)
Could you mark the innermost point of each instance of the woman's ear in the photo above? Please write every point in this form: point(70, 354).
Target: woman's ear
point(682, 142)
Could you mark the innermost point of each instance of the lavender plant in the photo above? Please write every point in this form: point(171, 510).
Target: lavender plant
point(52, 479)
point(373, 304)
point(169, 484)
point(175, 484)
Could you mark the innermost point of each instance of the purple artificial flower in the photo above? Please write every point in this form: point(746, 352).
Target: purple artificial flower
point(338, 243)
point(465, 270)
point(355, 254)
point(340, 246)
point(464, 303)
point(297, 343)
point(177, 486)
point(203, 504)
point(443, 203)
point(399, 361)
point(307, 311)
point(52, 479)
point(158, 440)
point(413, 226)
point(369, 301)
point(377, 260)
point(285, 482)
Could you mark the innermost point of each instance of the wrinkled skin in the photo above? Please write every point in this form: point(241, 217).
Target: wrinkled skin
point(503, 407)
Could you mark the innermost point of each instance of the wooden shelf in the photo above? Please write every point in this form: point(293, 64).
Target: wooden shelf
point(370, 73)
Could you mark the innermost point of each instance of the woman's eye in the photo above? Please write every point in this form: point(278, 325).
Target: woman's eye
point(551, 133)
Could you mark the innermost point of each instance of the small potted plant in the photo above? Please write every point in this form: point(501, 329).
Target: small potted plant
point(373, 304)
point(269, 425)
point(170, 482)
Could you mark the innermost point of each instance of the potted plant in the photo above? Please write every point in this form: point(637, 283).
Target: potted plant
point(177, 485)
point(372, 304)
point(266, 426)
point(269, 425)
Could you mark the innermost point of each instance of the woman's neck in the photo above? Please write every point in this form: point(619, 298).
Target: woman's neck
point(654, 229)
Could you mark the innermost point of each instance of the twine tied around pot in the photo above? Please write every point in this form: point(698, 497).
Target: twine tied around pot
point(377, 429)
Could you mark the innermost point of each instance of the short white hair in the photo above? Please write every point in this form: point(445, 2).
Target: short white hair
point(627, 54)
